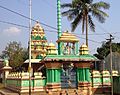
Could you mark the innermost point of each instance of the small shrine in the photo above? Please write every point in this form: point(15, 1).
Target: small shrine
point(69, 43)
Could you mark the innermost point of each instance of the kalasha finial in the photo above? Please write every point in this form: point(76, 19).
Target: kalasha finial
point(37, 24)
point(84, 49)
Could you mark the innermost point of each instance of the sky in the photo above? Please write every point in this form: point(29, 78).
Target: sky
point(45, 11)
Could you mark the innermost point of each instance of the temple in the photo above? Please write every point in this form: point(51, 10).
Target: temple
point(58, 70)
point(69, 67)
point(62, 70)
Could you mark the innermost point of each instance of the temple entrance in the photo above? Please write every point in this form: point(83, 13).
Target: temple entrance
point(68, 76)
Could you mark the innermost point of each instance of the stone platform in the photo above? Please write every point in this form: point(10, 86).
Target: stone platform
point(62, 92)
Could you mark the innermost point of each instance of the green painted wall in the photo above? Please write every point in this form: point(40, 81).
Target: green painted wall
point(96, 81)
point(53, 75)
point(83, 74)
point(37, 82)
point(25, 83)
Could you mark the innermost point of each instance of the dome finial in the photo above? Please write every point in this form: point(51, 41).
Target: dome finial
point(84, 49)
point(52, 49)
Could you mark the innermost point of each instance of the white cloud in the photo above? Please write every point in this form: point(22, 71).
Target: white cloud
point(12, 31)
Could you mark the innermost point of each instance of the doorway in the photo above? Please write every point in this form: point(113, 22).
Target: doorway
point(68, 76)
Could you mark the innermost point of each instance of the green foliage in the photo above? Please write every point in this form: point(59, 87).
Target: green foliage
point(78, 10)
point(104, 50)
point(15, 53)
point(82, 11)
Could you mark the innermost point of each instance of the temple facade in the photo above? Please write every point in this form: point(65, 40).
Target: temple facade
point(63, 71)
point(67, 66)
point(57, 70)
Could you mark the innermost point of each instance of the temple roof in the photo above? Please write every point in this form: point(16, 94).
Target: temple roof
point(68, 37)
point(33, 61)
point(38, 26)
point(51, 44)
point(87, 57)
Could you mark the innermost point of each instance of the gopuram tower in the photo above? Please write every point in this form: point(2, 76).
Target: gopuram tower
point(38, 42)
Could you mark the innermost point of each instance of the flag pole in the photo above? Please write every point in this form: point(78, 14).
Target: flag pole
point(29, 68)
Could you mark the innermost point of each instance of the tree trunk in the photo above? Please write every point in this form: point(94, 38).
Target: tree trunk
point(86, 17)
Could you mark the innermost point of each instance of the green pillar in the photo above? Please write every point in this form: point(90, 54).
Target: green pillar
point(76, 48)
point(87, 72)
point(79, 74)
point(52, 72)
point(60, 50)
point(53, 75)
point(59, 25)
point(48, 75)
point(83, 74)
point(83, 71)
point(57, 75)
point(83, 77)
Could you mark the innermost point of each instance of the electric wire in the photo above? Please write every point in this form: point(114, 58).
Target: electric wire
point(89, 39)
point(27, 17)
point(106, 33)
point(34, 21)
point(41, 22)
point(85, 34)
point(6, 22)
point(44, 30)
point(51, 30)
point(100, 27)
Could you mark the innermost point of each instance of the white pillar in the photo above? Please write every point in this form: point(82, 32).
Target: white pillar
point(6, 70)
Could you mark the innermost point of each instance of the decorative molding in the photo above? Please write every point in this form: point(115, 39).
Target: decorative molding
point(83, 65)
point(54, 65)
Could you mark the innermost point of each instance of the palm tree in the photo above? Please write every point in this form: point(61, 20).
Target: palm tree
point(82, 11)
